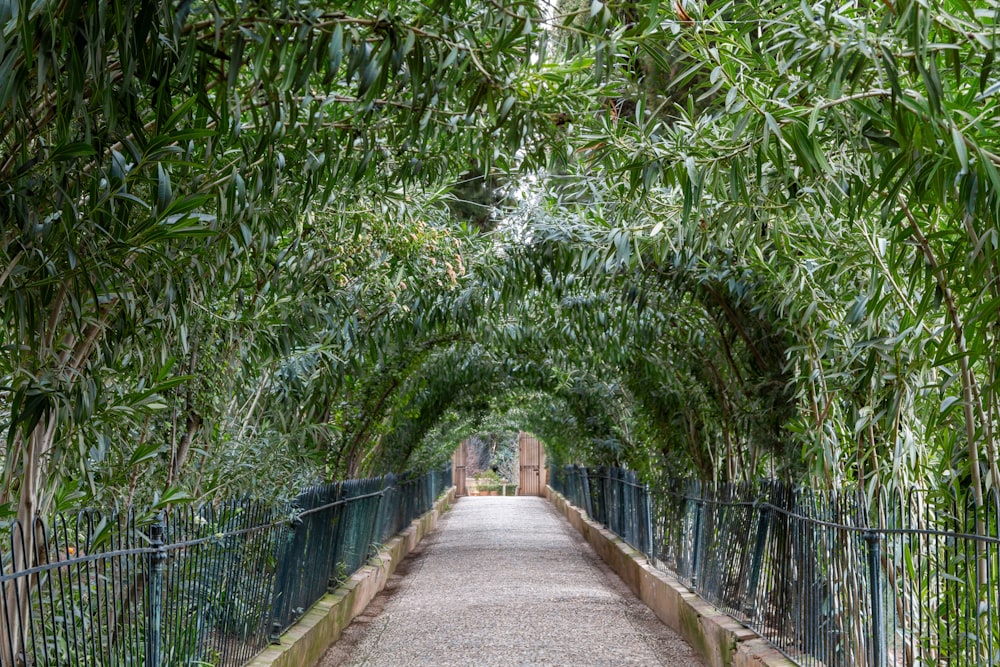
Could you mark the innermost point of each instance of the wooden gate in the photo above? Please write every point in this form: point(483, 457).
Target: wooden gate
point(534, 474)
point(458, 470)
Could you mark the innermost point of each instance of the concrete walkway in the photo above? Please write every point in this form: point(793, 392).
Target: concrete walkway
point(506, 581)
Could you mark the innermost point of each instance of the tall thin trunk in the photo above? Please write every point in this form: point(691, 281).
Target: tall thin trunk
point(25, 541)
point(969, 403)
point(35, 450)
point(193, 424)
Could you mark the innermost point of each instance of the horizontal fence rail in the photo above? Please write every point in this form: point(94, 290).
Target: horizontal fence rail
point(828, 578)
point(611, 496)
point(207, 586)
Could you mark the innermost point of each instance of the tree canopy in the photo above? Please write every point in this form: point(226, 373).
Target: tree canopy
point(249, 246)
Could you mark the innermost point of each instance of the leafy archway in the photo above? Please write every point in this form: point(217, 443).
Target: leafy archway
point(251, 242)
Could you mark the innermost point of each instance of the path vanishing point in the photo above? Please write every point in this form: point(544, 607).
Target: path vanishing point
point(507, 581)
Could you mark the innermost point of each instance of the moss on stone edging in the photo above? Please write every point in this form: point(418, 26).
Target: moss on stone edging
point(304, 643)
point(720, 640)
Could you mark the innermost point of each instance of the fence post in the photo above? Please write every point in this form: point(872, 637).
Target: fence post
point(282, 581)
point(389, 508)
point(695, 557)
point(622, 493)
point(628, 525)
point(428, 492)
point(618, 480)
point(587, 500)
point(875, 581)
point(757, 560)
point(648, 509)
point(374, 536)
point(154, 618)
point(378, 532)
point(605, 496)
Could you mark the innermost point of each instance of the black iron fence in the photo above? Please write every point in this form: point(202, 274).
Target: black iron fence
point(613, 497)
point(828, 578)
point(191, 586)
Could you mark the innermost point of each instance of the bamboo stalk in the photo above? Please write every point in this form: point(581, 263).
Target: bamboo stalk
point(968, 398)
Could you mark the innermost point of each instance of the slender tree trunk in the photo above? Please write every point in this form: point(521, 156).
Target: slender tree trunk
point(969, 403)
point(26, 542)
point(193, 424)
point(35, 451)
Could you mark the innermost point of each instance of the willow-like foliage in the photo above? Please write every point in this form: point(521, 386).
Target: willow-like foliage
point(737, 239)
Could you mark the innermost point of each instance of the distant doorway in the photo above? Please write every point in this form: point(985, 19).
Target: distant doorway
point(468, 470)
point(534, 473)
point(458, 469)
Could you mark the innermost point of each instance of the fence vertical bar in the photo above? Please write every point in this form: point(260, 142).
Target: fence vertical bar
point(374, 537)
point(875, 581)
point(648, 509)
point(283, 580)
point(757, 561)
point(621, 496)
point(154, 615)
point(696, 551)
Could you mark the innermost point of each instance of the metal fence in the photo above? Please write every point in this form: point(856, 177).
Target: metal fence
point(828, 578)
point(192, 586)
point(613, 497)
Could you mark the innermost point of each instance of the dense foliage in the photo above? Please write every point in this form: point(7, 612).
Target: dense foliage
point(244, 247)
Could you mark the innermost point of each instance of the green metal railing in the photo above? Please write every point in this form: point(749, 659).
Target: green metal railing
point(829, 578)
point(614, 497)
point(193, 586)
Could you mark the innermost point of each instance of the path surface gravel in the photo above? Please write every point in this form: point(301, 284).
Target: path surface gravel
point(507, 581)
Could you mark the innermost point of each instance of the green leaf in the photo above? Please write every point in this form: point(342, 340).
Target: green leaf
point(173, 496)
point(960, 149)
point(164, 193)
point(71, 151)
point(178, 115)
point(772, 125)
point(506, 107)
point(145, 452)
point(947, 403)
point(335, 50)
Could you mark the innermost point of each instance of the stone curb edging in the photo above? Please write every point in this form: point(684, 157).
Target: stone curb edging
point(719, 639)
point(305, 642)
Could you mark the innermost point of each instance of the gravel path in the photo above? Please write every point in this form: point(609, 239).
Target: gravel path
point(507, 581)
